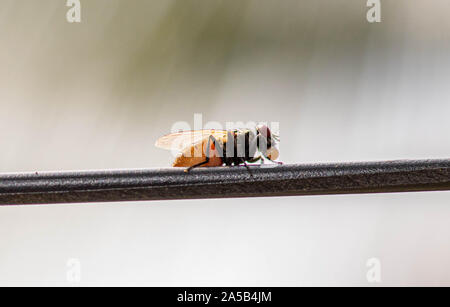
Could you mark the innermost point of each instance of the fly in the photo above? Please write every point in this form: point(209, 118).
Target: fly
point(210, 147)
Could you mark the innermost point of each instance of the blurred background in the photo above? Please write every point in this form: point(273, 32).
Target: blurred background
point(97, 94)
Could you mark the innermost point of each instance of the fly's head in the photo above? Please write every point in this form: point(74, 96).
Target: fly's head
point(266, 142)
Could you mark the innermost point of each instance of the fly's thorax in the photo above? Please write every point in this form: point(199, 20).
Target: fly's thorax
point(263, 143)
point(241, 144)
point(252, 145)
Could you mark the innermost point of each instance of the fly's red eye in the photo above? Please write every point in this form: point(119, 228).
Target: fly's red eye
point(264, 131)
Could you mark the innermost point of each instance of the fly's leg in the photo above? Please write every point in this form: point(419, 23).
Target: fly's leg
point(248, 169)
point(276, 162)
point(253, 160)
point(208, 148)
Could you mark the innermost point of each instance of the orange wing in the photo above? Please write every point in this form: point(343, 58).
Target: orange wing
point(181, 140)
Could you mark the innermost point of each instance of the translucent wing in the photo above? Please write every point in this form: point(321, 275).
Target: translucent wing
point(181, 140)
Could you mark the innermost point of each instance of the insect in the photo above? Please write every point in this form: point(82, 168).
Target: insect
point(209, 147)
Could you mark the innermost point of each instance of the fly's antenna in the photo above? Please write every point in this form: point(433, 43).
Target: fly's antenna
point(276, 137)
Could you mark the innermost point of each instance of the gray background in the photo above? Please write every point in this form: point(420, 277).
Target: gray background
point(98, 94)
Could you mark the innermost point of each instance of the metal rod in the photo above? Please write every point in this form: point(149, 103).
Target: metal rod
point(223, 182)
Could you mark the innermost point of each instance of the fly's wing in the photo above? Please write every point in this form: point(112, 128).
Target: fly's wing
point(181, 140)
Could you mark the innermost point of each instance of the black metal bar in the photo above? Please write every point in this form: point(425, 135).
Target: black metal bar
point(222, 182)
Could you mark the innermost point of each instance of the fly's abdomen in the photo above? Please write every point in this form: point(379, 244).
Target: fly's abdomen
point(196, 154)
